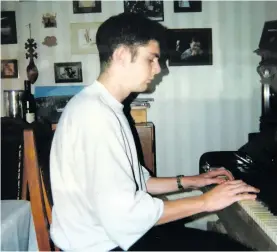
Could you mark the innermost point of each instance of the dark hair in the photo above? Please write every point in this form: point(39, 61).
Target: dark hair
point(129, 29)
point(195, 39)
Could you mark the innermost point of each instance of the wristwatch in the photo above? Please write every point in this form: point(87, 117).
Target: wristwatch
point(179, 184)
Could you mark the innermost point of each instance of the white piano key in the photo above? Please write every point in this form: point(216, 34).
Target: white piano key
point(262, 216)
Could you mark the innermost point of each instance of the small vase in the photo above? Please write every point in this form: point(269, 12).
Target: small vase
point(32, 71)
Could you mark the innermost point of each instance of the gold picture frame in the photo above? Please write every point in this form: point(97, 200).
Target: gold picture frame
point(83, 37)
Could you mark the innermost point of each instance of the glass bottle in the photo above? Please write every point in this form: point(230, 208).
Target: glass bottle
point(29, 103)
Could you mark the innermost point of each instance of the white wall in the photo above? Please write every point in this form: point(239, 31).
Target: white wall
point(196, 108)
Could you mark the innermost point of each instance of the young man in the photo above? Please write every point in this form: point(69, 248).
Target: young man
point(103, 198)
point(193, 50)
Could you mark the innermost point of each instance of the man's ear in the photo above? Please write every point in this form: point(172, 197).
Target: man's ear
point(122, 55)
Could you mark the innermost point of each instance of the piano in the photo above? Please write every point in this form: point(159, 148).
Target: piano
point(254, 223)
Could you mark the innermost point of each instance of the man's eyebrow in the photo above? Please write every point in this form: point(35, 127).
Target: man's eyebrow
point(156, 55)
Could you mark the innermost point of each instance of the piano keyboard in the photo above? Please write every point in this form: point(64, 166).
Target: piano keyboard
point(262, 216)
point(248, 221)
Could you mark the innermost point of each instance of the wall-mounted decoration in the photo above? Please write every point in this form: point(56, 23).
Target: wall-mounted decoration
point(8, 28)
point(190, 47)
point(9, 69)
point(68, 72)
point(50, 41)
point(51, 100)
point(152, 9)
point(187, 6)
point(30, 46)
point(86, 6)
point(49, 20)
point(83, 38)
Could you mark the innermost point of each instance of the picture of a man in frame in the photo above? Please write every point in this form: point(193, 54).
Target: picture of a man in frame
point(190, 47)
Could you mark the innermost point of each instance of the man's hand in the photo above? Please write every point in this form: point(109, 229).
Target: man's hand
point(213, 176)
point(227, 193)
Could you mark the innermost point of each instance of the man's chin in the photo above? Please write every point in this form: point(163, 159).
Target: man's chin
point(143, 87)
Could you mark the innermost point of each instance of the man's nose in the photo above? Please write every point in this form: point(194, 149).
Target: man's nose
point(157, 68)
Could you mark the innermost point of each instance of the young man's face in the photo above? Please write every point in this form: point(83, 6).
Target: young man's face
point(144, 67)
point(195, 45)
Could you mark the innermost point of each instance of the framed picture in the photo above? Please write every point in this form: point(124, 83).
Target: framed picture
point(83, 38)
point(188, 47)
point(68, 72)
point(9, 69)
point(8, 27)
point(152, 9)
point(86, 6)
point(49, 20)
point(187, 6)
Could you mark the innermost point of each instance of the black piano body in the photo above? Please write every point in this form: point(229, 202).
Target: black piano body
point(256, 161)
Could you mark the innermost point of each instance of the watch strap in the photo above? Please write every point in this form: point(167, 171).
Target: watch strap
point(179, 184)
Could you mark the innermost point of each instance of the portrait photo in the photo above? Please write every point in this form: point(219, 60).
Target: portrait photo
point(8, 27)
point(187, 6)
point(80, 7)
point(9, 69)
point(188, 47)
point(152, 9)
point(68, 72)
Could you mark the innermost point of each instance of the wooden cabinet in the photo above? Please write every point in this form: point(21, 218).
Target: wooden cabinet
point(146, 145)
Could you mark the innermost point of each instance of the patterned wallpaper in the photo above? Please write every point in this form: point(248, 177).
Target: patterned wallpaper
point(196, 108)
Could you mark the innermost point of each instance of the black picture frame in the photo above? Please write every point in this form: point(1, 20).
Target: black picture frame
point(190, 47)
point(9, 69)
point(94, 8)
point(187, 6)
point(154, 10)
point(8, 28)
point(68, 72)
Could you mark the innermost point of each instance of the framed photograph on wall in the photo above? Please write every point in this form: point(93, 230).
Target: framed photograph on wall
point(190, 47)
point(152, 9)
point(187, 6)
point(8, 28)
point(83, 38)
point(9, 69)
point(80, 7)
point(68, 72)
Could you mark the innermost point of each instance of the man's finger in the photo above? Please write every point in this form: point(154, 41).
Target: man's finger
point(216, 180)
point(245, 189)
point(245, 196)
point(221, 172)
point(235, 182)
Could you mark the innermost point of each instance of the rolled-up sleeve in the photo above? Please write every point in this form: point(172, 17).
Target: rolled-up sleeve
point(145, 173)
point(125, 213)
